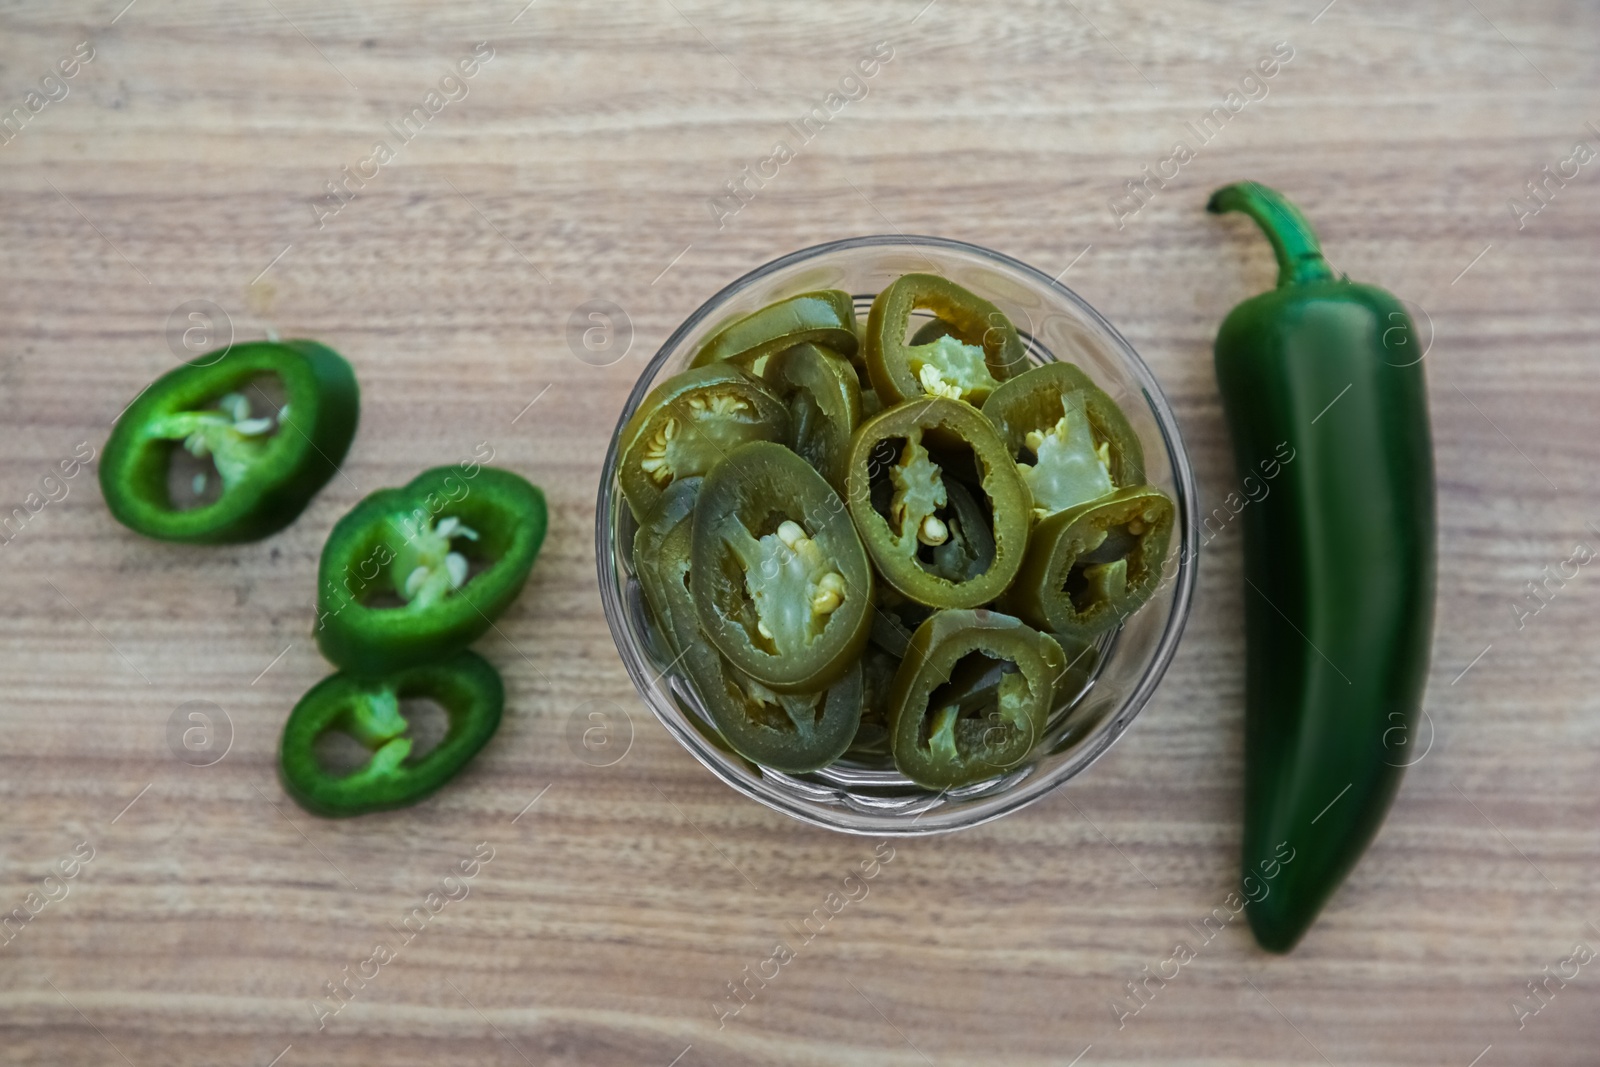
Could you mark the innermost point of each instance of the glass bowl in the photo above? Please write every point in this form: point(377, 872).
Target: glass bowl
point(1055, 323)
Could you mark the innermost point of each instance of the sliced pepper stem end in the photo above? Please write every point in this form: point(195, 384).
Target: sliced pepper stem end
point(1294, 242)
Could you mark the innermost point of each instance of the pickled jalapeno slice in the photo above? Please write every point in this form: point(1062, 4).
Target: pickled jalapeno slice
point(779, 577)
point(661, 562)
point(794, 732)
point(1090, 567)
point(1071, 442)
point(971, 697)
point(939, 502)
point(976, 348)
point(689, 423)
point(826, 317)
point(823, 395)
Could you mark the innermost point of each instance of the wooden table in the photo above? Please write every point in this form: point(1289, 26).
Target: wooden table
point(188, 161)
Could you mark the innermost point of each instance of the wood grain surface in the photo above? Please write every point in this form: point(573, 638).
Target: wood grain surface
point(188, 160)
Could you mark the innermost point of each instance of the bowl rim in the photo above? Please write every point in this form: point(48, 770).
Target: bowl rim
point(988, 808)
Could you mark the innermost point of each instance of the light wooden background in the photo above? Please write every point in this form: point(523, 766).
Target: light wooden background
point(185, 159)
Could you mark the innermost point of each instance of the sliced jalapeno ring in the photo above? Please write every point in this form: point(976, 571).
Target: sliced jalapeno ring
point(661, 562)
point(977, 349)
point(250, 470)
point(419, 572)
point(1090, 567)
point(823, 395)
point(788, 733)
point(826, 317)
point(688, 424)
point(1071, 441)
point(903, 462)
point(779, 577)
point(971, 697)
point(792, 733)
point(465, 685)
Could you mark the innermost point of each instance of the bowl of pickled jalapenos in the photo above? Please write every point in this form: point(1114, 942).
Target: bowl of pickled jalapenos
point(896, 534)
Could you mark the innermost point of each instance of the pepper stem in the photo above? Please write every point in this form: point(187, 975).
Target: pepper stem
point(1294, 242)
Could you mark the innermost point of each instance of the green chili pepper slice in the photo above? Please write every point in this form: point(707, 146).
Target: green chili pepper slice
point(977, 349)
point(688, 424)
point(780, 580)
point(1072, 442)
point(904, 463)
point(396, 581)
point(465, 685)
point(661, 561)
point(826, 317)
point(971, 697)
point(792, 733)
point(823, 395)
point(268, 465)
point(1088, 568)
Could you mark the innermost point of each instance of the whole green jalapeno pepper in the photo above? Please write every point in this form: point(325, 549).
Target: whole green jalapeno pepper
point(687, 424)
point(910, 466)
point(972, 697)
point(976, 348)
point(217, 409)
point(779, 577)
point(1091, 566)
point(1338, 561)
point(465, 685)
